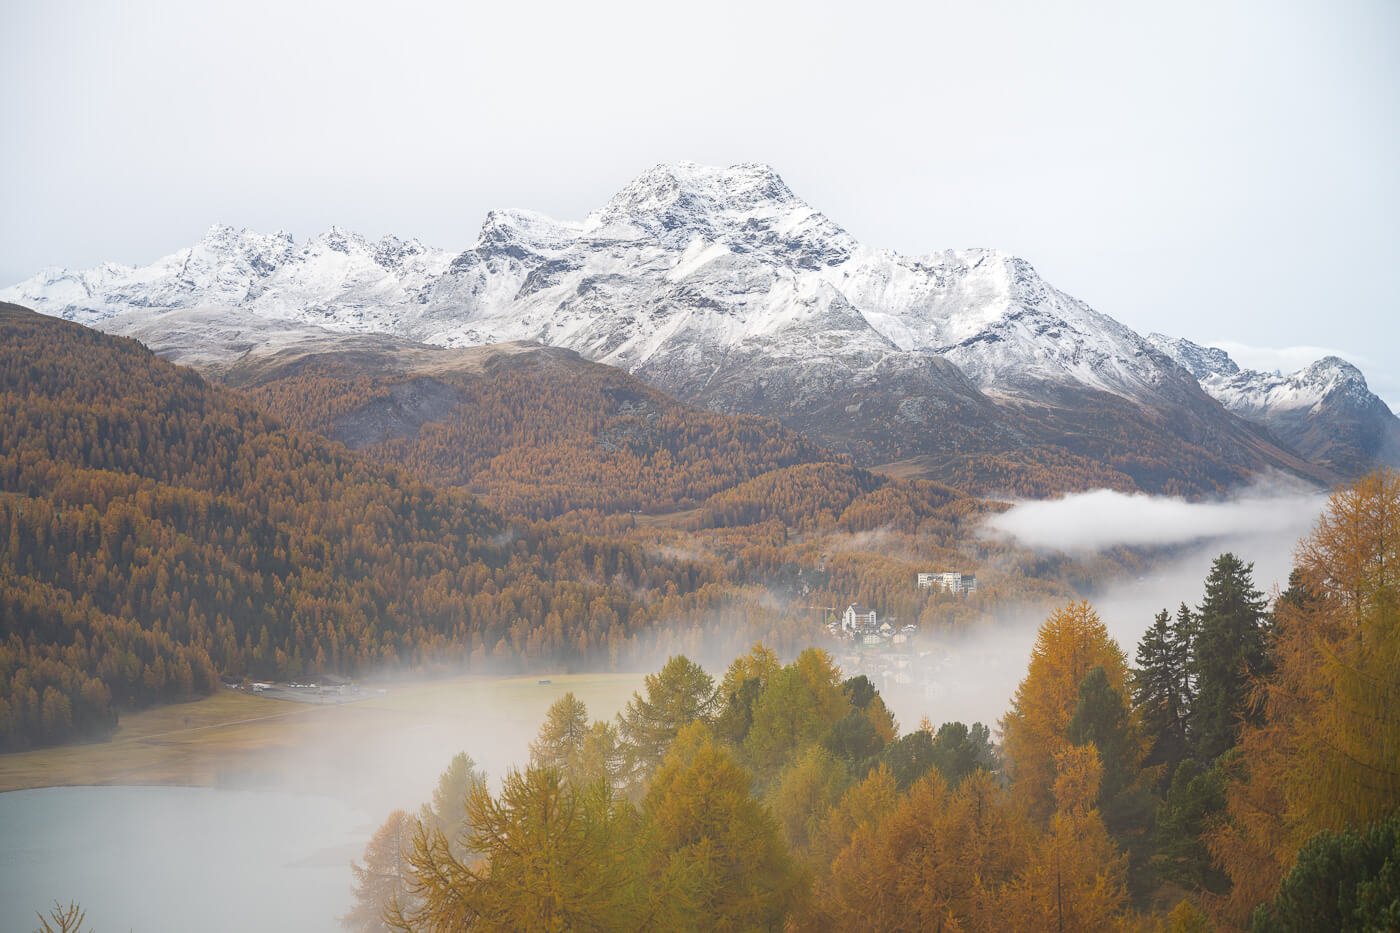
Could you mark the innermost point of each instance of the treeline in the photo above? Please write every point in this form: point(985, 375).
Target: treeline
point(1244, 774)
point(538, 432)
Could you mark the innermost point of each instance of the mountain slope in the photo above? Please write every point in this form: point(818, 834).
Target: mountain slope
point(1325, 410)
point(536, 431)
point(722, 287)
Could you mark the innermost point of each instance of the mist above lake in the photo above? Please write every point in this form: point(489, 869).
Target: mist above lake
point(179, 859)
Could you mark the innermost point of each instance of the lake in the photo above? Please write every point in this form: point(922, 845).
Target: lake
point(179, 859)
point(292, 793)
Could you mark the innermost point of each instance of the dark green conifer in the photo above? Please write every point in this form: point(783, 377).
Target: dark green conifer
point(1228, 650)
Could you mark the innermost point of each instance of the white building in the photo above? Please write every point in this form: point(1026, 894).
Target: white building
point(947, 581)
point(858, 618)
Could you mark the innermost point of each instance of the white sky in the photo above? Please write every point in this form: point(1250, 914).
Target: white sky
point(1229, 172)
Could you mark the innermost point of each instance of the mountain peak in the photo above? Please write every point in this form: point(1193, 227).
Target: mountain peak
point(744, 183)
point(1201, 362)
point(687, 196)
point(1332, 371)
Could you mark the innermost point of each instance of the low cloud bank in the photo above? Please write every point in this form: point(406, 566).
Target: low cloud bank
point(1094, 521)
point(978, 670)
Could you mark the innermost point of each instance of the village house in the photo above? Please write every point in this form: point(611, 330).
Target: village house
point(859, 620)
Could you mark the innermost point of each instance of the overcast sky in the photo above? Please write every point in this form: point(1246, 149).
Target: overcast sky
point(1229, 172)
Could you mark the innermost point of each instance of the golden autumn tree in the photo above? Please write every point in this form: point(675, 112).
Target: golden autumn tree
point(1325, 754)
point(799, 704)
point(805, 792)
point(447, 812)
point(863, 804)
point(677, 695)
point(550, 856)
point(743, 681)
point(559, 743)
point(713, 846)
point(937, 861)
point(1075, 878)
point(383, 879)
point(1072, 642)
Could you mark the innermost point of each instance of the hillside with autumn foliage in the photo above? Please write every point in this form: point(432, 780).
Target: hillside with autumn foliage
point(542, 432)
point(535, 431)
point(157, 532)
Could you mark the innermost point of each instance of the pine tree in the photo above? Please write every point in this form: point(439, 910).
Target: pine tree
point(909, 757)
point(1161, 692)
point(1193, 800)
point(1103, 719)
point(958, 751)
point(1228, 650)
point(1347, 881)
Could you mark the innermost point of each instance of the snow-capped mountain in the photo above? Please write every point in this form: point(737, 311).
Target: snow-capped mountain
point(684, 263)
point(1325, 410)
point(337, 279)
point(725, 288)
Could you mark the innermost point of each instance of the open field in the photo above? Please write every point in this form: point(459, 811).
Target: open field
point(386, 746)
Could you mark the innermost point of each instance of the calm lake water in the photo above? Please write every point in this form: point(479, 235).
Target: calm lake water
point(180, 859)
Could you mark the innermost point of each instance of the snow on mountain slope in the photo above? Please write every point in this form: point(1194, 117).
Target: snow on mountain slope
point(1324, 410)
point(721, 286)
point(337, 280)
point(1199, 361)
point(685, 262)
point(1249, 392)
point(688, 263)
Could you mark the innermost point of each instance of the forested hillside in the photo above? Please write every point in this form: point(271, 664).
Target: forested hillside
point(544, 432)
point(157, 532)
point(534, 430)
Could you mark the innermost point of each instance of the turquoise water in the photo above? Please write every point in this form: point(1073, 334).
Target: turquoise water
point(181, 859)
